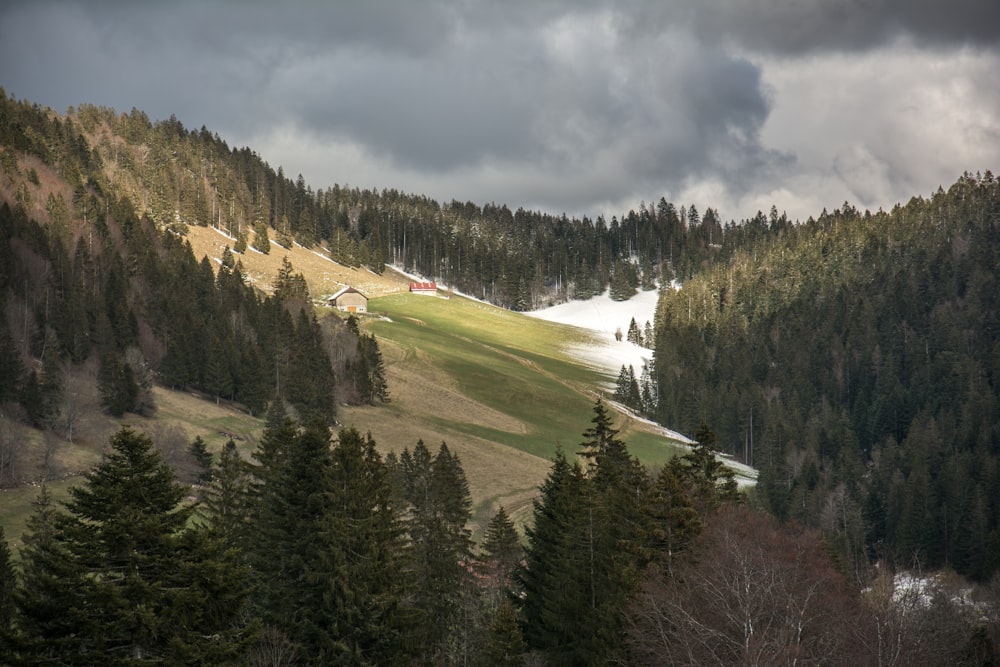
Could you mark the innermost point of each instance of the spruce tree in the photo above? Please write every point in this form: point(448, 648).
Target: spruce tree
point(440, 545)
point(359, 570)
point(504, 641)
point(708, 478)
point(117, 385)
point(291, 506)
point(500, 556)
point(121, 578)
point(555, 575)
point(619, 532)
point(8, 607)
point(227, 499)
point(49, 616)
point(260, 239)
point(674, 520)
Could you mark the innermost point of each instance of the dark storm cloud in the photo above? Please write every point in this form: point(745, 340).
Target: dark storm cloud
point(794, 26)
point(567, 105)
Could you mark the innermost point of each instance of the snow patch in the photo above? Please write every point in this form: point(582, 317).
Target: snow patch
point(603, 316)
point(224, 233)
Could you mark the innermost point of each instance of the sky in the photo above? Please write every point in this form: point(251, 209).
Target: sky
point(584, 107)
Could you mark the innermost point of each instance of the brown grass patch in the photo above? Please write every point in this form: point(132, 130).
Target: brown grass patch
point(323, 275)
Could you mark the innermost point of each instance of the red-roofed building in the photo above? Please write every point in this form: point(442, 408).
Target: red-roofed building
point(428, 288)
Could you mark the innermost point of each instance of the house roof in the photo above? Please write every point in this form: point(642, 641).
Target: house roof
point(345, 290)
point(423, 286)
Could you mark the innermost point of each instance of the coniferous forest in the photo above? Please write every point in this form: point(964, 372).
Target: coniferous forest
point(852, 358)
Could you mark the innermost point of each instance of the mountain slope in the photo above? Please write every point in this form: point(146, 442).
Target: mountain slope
point(859, 356)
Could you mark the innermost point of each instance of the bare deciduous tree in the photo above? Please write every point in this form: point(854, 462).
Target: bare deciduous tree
point(751, 593)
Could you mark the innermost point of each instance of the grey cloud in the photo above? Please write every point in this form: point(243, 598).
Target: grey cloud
point(793, 26)
point(557, 103)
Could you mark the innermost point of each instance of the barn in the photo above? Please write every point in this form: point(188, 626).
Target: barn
point(429, 288)
point(349, 300)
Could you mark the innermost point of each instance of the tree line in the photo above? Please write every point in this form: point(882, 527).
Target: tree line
point(319, 550)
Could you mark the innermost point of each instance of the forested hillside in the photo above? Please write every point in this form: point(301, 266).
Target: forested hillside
point(855, 359)
point(92, 292)
point(175, 176)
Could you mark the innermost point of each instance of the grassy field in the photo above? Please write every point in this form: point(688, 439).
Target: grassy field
point(492, 384)
point(495, 385)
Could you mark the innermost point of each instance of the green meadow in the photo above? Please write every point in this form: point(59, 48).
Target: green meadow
point(509, 363)
point(495, 386)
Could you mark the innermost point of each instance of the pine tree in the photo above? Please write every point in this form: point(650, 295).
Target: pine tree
point(228, 260)
point(624, 281)
point(290, 507)
point(620, 524)
point(368, 371)
point(49, 615)
point(227, 498)
point(674, 520)
point(204, 458)
point(260, 239)
point(555, 576)
point(500, 556)
point(130, 579)
point(634, 335)
point(360, 568)
point(8, 606)
point(504, 642)
point(440, 545)
point(117, 384)
point(710, 481)
point(11, 367)
point(31, 399)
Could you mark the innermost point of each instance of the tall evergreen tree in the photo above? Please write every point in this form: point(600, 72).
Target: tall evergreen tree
point(360, 569)
point(555, 577)
point(128, 579)
point(49, 614)
point(292, 505)
point(499, 558)
point(227, 498)
point(708, 478)
point(8, 606)
point(440, 545)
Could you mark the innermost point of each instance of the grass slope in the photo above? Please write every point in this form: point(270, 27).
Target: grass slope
point(496, 386)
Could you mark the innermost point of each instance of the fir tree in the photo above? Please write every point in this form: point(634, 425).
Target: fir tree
point(500, 556)
point(710, 481)
point(673, 518)
point(360, 569)
point(440, 545)
point(227, 498)
point(634, 335)
point(130, 580)
point(8, 607)
point(504, 642)
point(260, 239)
point(117, 384)
point(49, 616)
point(555, 575)
point(204, 458)
point(11, 367)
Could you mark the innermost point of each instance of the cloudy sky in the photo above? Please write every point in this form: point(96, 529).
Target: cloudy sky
point(576, 106)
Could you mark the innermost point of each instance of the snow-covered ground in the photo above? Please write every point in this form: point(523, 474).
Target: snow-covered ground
point(604, 316)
